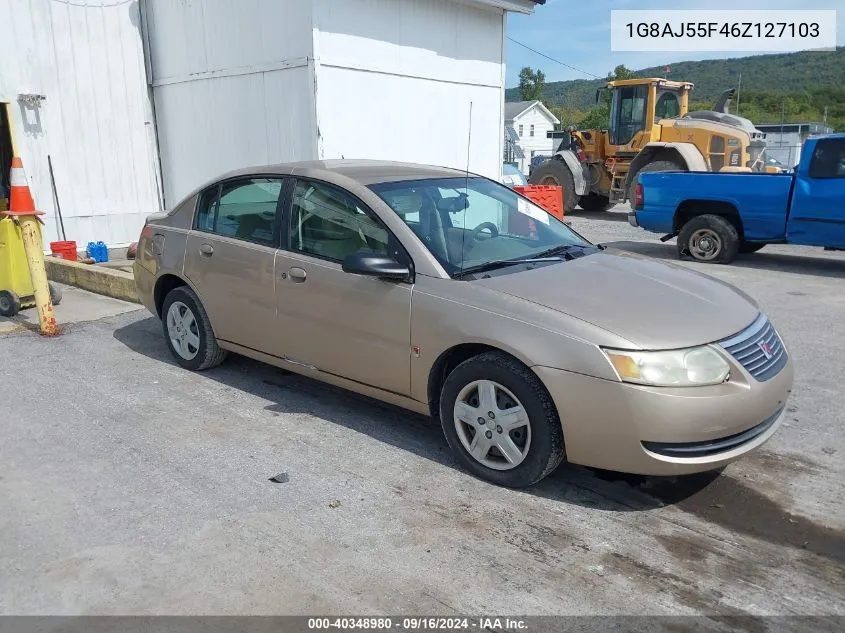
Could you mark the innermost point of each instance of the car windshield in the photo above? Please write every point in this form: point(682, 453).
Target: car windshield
point(470, 223)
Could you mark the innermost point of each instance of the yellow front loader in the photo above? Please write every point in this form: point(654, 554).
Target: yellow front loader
point(650, 129)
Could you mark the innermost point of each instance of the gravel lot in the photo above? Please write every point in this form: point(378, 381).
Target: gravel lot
point(129, 486)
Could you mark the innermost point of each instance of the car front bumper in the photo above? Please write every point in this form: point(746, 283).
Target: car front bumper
point(665, 431)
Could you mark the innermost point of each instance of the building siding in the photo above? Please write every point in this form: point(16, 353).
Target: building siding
point(539, 143)
point(395, 81)
point(86, 58)
point(233, 85)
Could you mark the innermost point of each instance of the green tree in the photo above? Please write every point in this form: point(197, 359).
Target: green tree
point(531, 84)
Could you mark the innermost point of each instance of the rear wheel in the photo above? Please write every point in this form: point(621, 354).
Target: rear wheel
point(10, 303)
point(188, 332)
point(500, 421)
point(595, 202)
point(710, 239)
point(658, 165)
point(555, 172)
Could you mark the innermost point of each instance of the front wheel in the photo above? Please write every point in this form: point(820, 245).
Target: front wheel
point(500, 421)
point(188, 332)
point(710, 239)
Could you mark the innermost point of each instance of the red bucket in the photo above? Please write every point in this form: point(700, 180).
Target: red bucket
point(65, 250)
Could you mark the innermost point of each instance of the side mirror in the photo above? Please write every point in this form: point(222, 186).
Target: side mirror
point(383, 266)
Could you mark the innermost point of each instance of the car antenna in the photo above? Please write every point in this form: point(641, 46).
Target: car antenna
point(466, 190)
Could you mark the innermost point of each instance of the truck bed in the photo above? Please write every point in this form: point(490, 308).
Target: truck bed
point(762, 199)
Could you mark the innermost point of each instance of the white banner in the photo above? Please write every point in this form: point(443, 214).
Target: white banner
point(723, 31)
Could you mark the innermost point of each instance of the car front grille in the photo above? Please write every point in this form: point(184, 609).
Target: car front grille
point(758, 348)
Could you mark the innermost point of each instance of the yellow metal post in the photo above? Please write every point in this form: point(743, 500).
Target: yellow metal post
point(37, 271)
point(22, 208)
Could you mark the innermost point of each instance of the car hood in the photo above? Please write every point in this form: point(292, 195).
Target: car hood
point(652, 304)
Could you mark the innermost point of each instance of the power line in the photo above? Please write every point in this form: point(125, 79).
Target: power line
point(557, 61)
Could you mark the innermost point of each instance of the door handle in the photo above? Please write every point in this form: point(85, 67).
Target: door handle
point(206, 250)
point(297, 275)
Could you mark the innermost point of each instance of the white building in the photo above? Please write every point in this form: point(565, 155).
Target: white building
point(530, 121)
point(145, 101)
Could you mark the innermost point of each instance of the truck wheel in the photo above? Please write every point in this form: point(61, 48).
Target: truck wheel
point(710, 239)
point(554, 172)
point(750, 247)
point(595, 202)
point(658, 165)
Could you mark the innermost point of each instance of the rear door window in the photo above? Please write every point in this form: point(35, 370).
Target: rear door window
point(243, 209)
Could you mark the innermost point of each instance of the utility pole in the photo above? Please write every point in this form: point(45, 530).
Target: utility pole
point(738, 90)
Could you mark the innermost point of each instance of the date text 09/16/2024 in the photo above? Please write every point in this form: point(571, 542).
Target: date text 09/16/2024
point(711, 29)
point(418, 623)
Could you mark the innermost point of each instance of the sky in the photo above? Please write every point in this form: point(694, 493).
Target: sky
point(577, 32)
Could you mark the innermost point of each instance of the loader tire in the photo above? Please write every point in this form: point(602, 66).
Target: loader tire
point(555, 172)
point(595, 202)
point(658, 165)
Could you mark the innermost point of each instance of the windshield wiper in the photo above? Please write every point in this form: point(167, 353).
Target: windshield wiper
point(562, 248)
point(501, 263)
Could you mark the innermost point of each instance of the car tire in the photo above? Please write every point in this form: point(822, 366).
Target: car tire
point(10, 303)
point(710, 239)
point(555, 172)
point(750, 247)
point(188, 332)
point(595, 202)
point(538, 443)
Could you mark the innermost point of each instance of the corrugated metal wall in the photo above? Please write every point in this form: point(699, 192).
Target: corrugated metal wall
point(241, 82)
point(408, 70)
point(233, 86)
point(86, 57)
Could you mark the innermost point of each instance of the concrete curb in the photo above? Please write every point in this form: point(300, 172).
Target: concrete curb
point(104, 281)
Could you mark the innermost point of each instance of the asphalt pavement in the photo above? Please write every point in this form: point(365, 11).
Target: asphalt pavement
point(130, 486)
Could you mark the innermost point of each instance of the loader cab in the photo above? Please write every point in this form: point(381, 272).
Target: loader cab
point(637, 104)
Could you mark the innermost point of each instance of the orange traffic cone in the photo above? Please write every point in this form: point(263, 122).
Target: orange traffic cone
point(20, 199)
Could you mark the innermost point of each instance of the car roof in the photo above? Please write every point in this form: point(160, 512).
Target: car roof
point(365, 172)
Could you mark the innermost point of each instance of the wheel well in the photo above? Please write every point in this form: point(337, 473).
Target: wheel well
point(652, 155)
point(163, 286)
point(692, 208)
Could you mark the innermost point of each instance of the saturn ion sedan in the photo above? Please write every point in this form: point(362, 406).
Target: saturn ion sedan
point(449, 294)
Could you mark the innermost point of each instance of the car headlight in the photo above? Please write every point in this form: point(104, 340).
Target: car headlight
point(696, 366)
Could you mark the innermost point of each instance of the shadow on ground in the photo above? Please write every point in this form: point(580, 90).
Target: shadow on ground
point(780, 262)
point(291, 393)
point(609, 216)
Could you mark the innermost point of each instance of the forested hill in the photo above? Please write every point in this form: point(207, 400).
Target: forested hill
point(797, 86)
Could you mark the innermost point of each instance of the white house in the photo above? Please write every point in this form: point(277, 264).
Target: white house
point(529, 122)
point(137, 102)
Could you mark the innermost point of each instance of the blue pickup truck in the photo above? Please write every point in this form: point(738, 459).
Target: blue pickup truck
point(716, 215)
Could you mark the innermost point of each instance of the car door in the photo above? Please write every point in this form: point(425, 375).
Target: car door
point(817, 214)
point(230, 259)
point(346, 324)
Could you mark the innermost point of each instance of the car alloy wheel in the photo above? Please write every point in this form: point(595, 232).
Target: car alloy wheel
point(182, 330)
point(492, 425)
